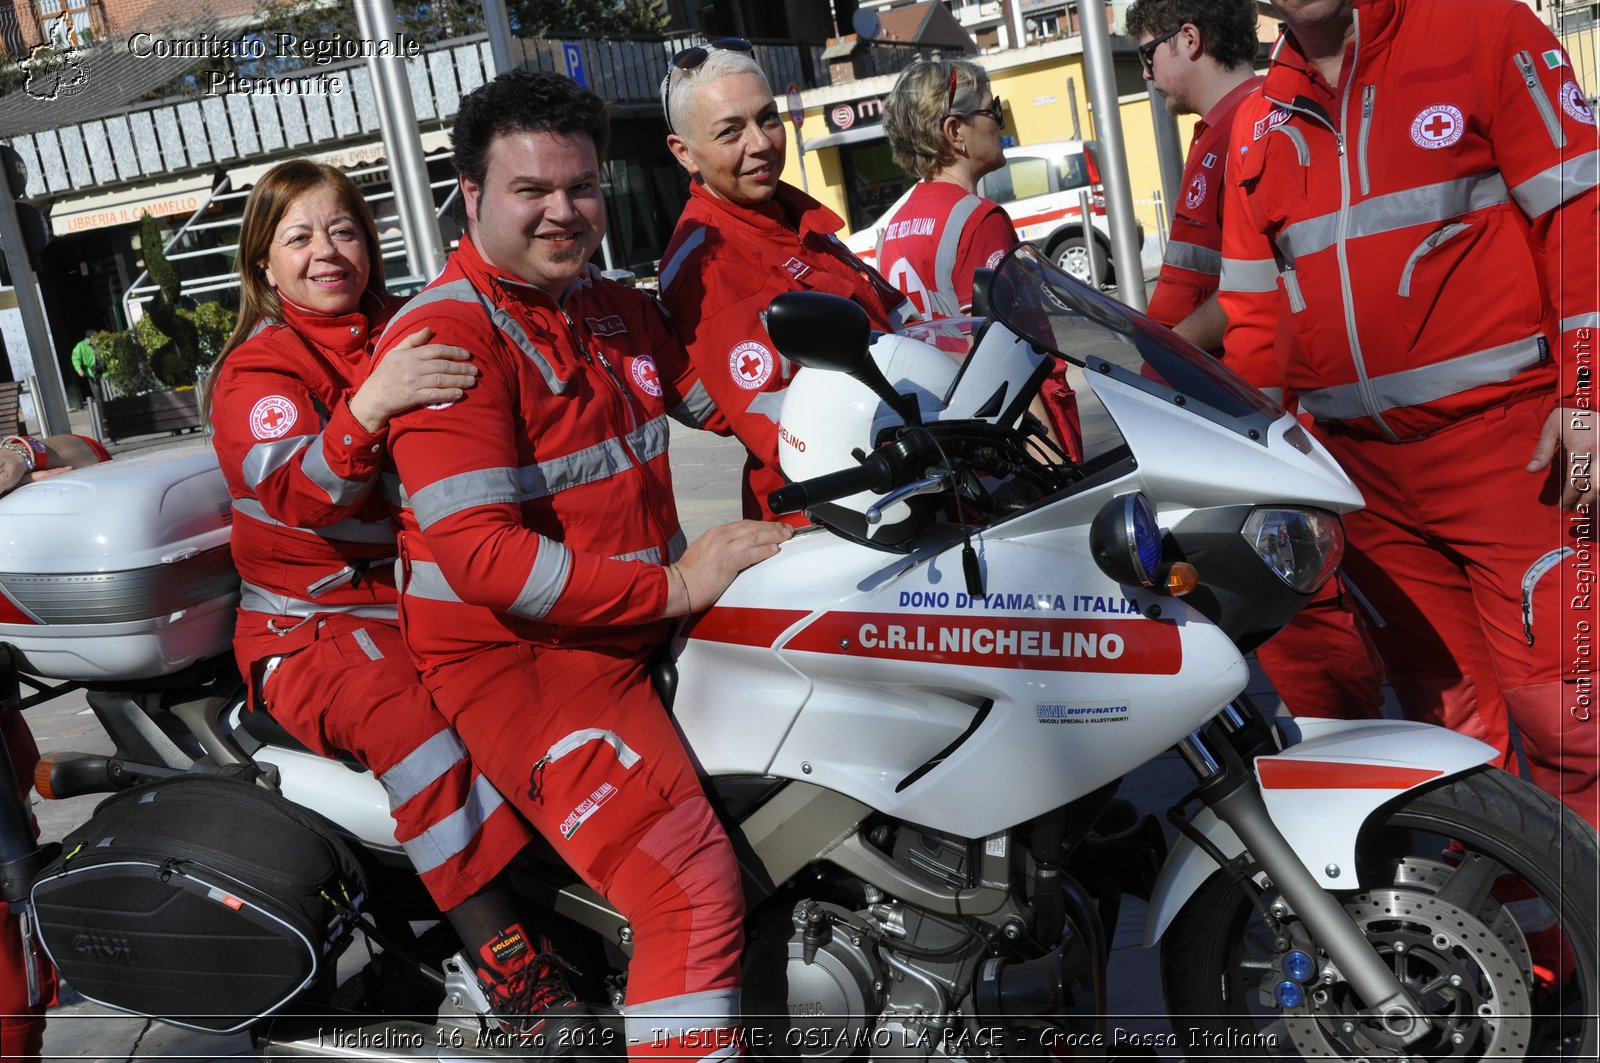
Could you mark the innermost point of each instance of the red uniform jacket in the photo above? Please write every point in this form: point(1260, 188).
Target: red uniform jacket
point(539, 508)
point(721, 270)
point(310, 535)
point(943, 234)
point(1192, 266)
point(1428, 231)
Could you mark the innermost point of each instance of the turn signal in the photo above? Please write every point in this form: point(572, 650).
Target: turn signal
point(41, 778)
point(1181, 578)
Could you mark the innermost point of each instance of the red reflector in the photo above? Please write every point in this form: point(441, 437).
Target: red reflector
point(1093, 166)
point(11, 613)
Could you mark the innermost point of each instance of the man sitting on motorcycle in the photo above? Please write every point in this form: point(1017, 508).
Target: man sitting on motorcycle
point(539, 538)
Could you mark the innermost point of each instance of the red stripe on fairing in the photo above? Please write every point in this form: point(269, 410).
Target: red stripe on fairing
point(1291, 774)
point(739, 626)
point(1145, 647)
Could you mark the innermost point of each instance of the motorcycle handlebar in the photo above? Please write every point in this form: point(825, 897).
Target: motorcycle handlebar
point(890, 466)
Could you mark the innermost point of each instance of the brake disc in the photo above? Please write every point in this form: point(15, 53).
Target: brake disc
point(1466, 974)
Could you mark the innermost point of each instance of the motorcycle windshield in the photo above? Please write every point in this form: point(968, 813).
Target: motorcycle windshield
point(1099, 335)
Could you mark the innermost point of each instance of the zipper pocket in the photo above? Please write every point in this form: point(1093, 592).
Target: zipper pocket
point(1541, 102)
point(1433, 240)
point(1291, 288)
point(1367, 95)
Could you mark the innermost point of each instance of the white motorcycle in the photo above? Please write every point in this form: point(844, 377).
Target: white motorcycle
point(914, 719)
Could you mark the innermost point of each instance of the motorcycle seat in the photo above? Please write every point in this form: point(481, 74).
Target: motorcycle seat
point(261, 725)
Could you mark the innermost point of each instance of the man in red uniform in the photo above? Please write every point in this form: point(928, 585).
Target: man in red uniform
point(541, 550)
point(1198, 54)
point(744, 238)
point(1411, 242)
point(24, 459)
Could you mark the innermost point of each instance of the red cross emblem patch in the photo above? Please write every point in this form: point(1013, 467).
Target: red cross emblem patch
point(272, 417)
point(1437, 127)
point(646, 376)
point(750, 365)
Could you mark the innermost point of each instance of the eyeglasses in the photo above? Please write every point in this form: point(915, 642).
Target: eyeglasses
point(691, 58)
point(1147, 50)
point(995, 110)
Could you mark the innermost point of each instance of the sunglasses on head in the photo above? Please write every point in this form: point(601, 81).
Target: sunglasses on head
point(691, 58)
point(995, 110)
point(1147, 51)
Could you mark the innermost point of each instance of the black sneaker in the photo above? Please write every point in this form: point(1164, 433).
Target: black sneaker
point(537, 1011)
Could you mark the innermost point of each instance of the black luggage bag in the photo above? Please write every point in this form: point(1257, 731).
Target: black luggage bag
point(203, 900)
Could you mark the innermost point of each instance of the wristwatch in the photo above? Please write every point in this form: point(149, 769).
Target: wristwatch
point(30, 450)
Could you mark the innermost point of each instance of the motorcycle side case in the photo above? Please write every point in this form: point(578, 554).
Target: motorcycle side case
point(121, 570)
point(203, 901)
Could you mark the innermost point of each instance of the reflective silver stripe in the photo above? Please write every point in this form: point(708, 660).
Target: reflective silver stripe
point(1548, 189)
point(422, 767)
point(261, 600)
point(262, 326)
point(512, 329)
point(451, 495)
point(677, 545)
point(341, 492)
point(455, 832)
point(578, 739)
point(1291, 288)
point(943, 299)
point(368, 647)
point(427, 581)
point(345, 531)
point(1367, 94)
point(1541, 103)
point(696, 409)
point(1301, 148)
point(330, 581)
point(1433, 240)
point(1193, 257)
point(265, 459)
point(458, 291)
point(1590, 320)
point(1423, 205)
point(1249, 275)
point(669, 268)
point(546, 580)
point(486, 487)
point(679, 1016)
point(651, 555)
point(768, 404)
point(1410, 387)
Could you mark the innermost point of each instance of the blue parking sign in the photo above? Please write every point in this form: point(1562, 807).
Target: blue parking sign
point(574, 56)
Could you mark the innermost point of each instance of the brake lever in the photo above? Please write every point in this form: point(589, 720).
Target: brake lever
point(916, 487)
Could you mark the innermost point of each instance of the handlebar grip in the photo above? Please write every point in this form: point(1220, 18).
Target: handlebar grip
point(886, 468)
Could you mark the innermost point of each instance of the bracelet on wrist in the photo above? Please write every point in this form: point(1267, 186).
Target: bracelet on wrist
point(33, 453)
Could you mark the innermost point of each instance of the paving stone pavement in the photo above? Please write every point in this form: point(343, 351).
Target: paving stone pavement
point(705, 475)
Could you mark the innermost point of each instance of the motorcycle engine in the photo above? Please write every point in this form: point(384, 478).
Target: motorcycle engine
point(811, 985)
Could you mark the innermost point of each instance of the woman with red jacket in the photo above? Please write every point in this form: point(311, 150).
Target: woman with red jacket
point(301, 424)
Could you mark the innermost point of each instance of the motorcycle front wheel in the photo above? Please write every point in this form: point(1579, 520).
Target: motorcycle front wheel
point(1479, 892)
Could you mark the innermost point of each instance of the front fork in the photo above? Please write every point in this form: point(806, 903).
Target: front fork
point(1218, 755)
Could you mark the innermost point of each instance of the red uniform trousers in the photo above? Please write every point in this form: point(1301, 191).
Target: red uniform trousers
point(1453, 531)
point(21, 1026)
point(1323, 663)
point(354, 690)
point(578, 740)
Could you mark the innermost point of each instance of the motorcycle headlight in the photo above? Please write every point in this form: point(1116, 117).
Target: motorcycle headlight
point(1303, 546)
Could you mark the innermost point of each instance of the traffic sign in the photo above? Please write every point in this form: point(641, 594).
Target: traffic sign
point(574, 56)
point(797, 107)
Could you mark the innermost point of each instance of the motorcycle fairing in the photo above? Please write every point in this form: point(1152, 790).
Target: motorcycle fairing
point(1320, 792)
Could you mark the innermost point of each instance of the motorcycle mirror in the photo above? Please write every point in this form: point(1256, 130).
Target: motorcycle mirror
point(821, 331)
point(981, 279)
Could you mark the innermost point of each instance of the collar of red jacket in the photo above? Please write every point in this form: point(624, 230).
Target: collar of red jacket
point(1376, 22)
point(791, 212)
point(1223, 107)
point(340, 333)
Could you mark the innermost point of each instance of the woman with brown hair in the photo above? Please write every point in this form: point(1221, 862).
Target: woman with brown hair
point(301, 419)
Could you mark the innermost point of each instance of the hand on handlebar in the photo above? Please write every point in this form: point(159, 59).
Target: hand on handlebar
point(714, 559)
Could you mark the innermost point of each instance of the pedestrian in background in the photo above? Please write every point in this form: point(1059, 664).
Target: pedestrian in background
point(86, 363)
point(1199, 55)
point(1410, 244)
point(744, 238)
